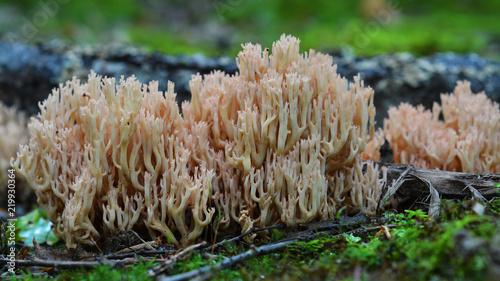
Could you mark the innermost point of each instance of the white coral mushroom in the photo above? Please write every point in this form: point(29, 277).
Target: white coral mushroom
point(106, 158)
point(285, 135)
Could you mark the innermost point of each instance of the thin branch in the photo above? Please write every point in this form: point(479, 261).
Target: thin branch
point(141, 252)
point(204, 273)
point(241, 236)
point(58, 264)
point(165, 266)
point(475, 194)
point(76, 264)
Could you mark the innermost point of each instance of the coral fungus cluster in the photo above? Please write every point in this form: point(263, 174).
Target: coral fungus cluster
point(13, 132)
point(280, 141)
point(466, 140)
point(106, 158)
point(284, 136)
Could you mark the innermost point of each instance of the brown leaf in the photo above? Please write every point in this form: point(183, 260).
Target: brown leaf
point(23, 253)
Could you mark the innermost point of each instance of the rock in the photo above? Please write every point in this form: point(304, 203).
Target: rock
point(28, 73)
point(403, 77)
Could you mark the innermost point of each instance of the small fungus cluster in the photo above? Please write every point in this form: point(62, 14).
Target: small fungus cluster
point(467, 139)
point(13, 132)
point(284, 137)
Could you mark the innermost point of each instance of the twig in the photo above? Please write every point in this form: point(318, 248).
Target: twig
point(138, 247)
point(475, 194)
point(165, 266)
point(58, 264)
point(75, 264)
point(141, 252)
point(241, 236)
point(205, 272)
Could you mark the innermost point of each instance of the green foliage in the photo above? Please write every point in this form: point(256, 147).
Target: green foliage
point(277, 234)
point(25, 276)
point(137, 271)
point(494, 206)
point(315, 247)
point(464, 25)
point(35, 225)
point(351, 239)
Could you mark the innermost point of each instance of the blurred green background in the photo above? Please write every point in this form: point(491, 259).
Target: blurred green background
point(362, 27)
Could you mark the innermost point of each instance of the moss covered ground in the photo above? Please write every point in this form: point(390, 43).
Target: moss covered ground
point(462, 243)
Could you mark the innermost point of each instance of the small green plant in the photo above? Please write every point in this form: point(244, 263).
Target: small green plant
point(196, 261)
point(35, 225)
point(494, 206)
point(350, 238)
point(312, 248)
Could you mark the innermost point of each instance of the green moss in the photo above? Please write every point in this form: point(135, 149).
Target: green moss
point(420, 248)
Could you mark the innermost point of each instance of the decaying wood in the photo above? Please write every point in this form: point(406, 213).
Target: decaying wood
point(394, 187)
point(415, 184)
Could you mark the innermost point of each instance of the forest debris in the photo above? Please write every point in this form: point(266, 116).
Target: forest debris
point(241, 236)
point(206, 272)
point(125, 242)
point(50, 254)
point(384, 230)
point(414, 183)
point(475, 194)
point(434, 198)
point(165, 266)
point(151, 245)
point(394, 188)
